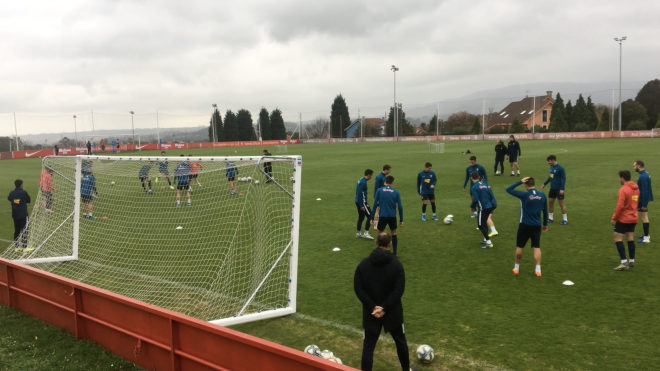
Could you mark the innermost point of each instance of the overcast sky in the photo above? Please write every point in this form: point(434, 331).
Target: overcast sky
point(64, 57)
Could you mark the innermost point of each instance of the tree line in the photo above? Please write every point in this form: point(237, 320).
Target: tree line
point(239, 126)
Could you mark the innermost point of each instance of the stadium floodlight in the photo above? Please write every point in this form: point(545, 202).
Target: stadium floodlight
point(215, 108)
point(229, 258)
point(75, 128)
point(395, 121)
point(620, 41)
point(132, 126)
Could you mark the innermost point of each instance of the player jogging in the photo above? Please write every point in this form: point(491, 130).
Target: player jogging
point(46, 185)
point(195, 167)
point(268, 168)
point(182, 180)
point(474, 167)
point(380, 180)
point(557, 180)
point(163, 170)
point(87, 194)
point(624, 219)
point(484, 198)
point(426, 181)
point(645, 196)
point(514, 153)
point(386, 201)
point(362, 205)
point(532, 204)
point(231, 172)
point(144, 175)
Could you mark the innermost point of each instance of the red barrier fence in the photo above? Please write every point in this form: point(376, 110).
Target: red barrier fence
point(151, 337)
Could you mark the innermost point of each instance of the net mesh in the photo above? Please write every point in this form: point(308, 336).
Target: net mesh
point(225, 255)
point(436, 147)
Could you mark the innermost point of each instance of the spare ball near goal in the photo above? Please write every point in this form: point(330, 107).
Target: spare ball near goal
point(326, 354)
point(449, 219)
point(425, 353)
point(313, 350)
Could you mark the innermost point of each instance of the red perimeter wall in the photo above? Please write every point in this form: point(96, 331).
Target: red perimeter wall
point(149, 336)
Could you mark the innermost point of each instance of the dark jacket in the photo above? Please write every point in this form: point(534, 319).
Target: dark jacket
point(514, 149)
point(501, 151)
point(380, 281)
point(19, 199)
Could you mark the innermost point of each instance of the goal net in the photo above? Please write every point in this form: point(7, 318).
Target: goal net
point(655, 133)
point(281, 148)
point(436, 147)
point(230, 256)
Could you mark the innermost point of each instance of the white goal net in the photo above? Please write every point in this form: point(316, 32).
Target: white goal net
point(229, 256)
point(281, 148)
point(655, 133)
point(436, 147)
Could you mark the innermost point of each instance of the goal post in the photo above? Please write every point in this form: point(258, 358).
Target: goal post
point(229, 256)
point(655, 133)
point(281, 148)
point(436, 147)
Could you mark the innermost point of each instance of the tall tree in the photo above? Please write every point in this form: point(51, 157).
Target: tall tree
point(604, 124)
point(649, 97)
point(339, 117)
point(320, 125)
point(231, 127)
point(460, 118)
point(264, 122)
point(631, 111)
point(557, 116)
point(219, 129)
point(433, 124)
point(657, 124)
point(516, 126)
point(405, 128)
point(593, 116)
point(476, 126)
point(278, 131)
point(580, 115)
point(569, 115)
point(245, 125)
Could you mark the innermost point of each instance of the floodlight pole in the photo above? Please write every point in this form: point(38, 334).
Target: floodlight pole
point(620, 41)
point(395, 112)
point(132, 126)
point(215, 108)
point(75, 128)
point(16, 131)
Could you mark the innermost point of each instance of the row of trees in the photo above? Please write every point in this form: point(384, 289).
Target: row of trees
point(240, 127)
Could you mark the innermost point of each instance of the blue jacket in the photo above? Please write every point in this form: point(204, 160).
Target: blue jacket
point(163, 166)
point(361, 191)
point(379, 183)
point(557, 178)
point(483, 195)
point(19, 199)
point(144, 171)
point(532, 203)
point(471, 169)
point(513, 149)
point(87, 185)
point(425, 181)
point(387, 199)
point(231, 170)
point(181, 172)
point(645, 191)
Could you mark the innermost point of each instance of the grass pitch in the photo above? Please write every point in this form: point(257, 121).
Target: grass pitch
point(460, 299)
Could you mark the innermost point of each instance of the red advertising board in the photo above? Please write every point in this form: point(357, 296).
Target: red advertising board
point(35, 153)
point(6, 155)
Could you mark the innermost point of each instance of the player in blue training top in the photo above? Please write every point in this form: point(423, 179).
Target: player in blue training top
point(532, 204)
point(163, 170)
point(484, 198)
point(557, 180)
point(426, 181)
point(87, 194)
point(514, 153)
point(380, 180)
point(144, 175)
point(182, 180)
point(386, 201)
point(645, 196)
point(362, 205)
point(474, 167)
point(231, 172)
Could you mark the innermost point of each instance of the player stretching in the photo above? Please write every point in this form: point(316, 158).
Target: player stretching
point(484, 198)
point(182, 180)
point(87, 194)
point(624, 219)
point(362, 205)
point(163, 170)
point(474, 167)
point(380, 180)
point(144, 175)
point(532, 204)
point(386, 201)
point(557, 180)
point(195, 167)
point(426, 181)
point(645, 196)
point(231, 173)
point(46, 185)
point(514, 153)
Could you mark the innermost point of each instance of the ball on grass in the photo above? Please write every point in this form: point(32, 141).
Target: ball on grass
point(336, 360)
point(449, 219)
point(425, 353)
point(326, 354)
point(112, 183)
point(313, 350)
point(256, 182)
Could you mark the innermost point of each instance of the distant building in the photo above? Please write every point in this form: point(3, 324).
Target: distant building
point(378, 124)
point(530, 110)
point(352, 130)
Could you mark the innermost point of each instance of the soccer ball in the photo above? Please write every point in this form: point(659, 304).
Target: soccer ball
point(243, 179)
point(498, 172)
point(112, 183)
point(336, 360)
point(326, 354)
point(449, 219)
point(256, 182)
point(249, 179)
point(425, 353)
point(292, 179)
point(313, 350)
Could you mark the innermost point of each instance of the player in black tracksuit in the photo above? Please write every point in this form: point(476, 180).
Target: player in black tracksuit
point(514, 154)
point(268, 167)
point(500, 153)
point(19, 199)
point(379, 283)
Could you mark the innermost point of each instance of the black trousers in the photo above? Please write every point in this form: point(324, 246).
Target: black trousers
point(370, 340)
point(499, 161)
point(19, 225)
point(363, 214)
point(482, 221)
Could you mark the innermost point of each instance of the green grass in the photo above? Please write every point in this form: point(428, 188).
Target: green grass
point(460, 299)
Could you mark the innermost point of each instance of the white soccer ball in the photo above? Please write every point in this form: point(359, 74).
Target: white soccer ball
point(256, 182)
point(112, 183)
point(249, 179)
point(498, 172)
point(243, 179)
point(326, 354)
point(425, 353)
point(336, 360)
point(313, 350)
point(292, 179)
point(449, 219)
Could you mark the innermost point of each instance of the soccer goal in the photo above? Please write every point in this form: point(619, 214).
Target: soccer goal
point(228, 257)
point(281, 149)
point(436, 147)
point(655, 133)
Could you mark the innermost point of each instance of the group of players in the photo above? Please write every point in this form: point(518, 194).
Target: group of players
point(535, 214)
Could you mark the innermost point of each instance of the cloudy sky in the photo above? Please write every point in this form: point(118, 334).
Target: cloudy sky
point(64, 57)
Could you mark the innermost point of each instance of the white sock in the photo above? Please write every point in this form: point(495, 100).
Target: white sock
point(492, 229)
point(488, 242)
point(550, 216)
point(538, 268)
point(632, 260)
point(475, 213)
point(188, 201)
point(512, 172)
point(516, 266)
point(623, 261)
point(565, 217)
point(178, 202)
point(433, 214)
point(518, 171)
point(90, 214)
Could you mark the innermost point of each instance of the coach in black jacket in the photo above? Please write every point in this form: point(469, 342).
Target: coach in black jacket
point(500, 153)
point(379, 283)
point(19, 199)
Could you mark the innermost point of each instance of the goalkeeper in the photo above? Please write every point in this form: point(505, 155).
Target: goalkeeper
point(163, 170)
point(87, 193)
point(231, 173)
point(144, 175)
point(182, 180)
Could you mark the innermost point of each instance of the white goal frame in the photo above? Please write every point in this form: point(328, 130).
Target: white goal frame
point(655, 133)
point(436, 148)
point(281, 148)
point(291, 248)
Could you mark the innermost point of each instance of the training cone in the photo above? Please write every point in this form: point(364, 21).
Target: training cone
point(336, 249)
point(105, 217)
point(162, 187)
point(568, 283)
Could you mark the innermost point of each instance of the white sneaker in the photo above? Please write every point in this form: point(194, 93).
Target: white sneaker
point(646, 239)
point(358, 235)
point(367, 236)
